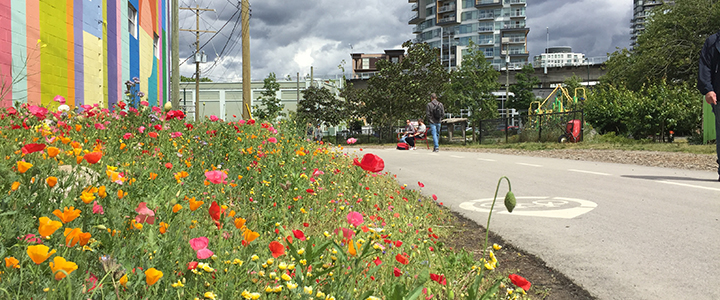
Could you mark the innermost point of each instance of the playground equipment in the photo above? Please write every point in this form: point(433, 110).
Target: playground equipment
point(557, 112)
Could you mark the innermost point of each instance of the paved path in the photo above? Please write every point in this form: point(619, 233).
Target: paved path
point(619, 231)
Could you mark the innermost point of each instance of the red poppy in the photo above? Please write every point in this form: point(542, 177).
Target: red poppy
point(421, 184)
point(30, 148)
point(93, 157)
point(398, 243)
point(310, 191)
point(370, 163)
point(153, 134)
point(438, 278)
point(277, 249)
point(377, 261)
point(434, 197)
point(192, 265)
point(397, 272)
point(306, 224)
point(402, 258)
point(520, 281)
point(215, 213)
point(299, 235)
point(168, 165)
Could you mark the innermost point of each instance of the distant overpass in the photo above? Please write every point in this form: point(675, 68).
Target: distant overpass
point(587, 73)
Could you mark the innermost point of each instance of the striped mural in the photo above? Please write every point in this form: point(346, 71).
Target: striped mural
point(83, 50)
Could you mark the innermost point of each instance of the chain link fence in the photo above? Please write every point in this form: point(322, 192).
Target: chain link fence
point(554, 127)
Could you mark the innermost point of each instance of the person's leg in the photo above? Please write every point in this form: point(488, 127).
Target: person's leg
point(410, 141)
point(436, 135)
point(716, 110)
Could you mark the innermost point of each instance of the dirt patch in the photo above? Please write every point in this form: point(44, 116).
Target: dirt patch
point(547, 283)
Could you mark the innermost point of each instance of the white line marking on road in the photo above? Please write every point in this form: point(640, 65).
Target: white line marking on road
point(455, 156)
point(589, 172)
point(690, 185)
point(485, 159)
point(529, 165)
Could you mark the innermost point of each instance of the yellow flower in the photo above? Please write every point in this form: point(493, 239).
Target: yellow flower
point(178, 284)
point(308, 290)
point(87, 197)
point(210, 295)
point(254, 258)
point(282, 266)
point(496, 247)
point(286, 277)
point(291, 285)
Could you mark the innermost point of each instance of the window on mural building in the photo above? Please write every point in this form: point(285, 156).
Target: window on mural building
point(156, 47)
point(132, 20)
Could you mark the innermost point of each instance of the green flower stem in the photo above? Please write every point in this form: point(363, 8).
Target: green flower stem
point(487, 227)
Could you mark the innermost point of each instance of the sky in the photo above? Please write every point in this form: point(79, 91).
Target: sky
point(290, 36)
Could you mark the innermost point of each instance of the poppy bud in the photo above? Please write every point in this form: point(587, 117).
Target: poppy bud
point(168, 106)
point(510, 201)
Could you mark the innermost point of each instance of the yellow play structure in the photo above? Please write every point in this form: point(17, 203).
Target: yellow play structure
point(561, 103)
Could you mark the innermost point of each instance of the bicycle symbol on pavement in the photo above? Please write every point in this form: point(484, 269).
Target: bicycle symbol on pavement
point(549, 207)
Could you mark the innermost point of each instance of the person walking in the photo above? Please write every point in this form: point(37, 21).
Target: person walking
point(434, 113)
point(709, 82)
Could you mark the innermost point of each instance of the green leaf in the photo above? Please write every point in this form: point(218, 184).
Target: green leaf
point(492, 290)
point(423, 277)
point(414, 294)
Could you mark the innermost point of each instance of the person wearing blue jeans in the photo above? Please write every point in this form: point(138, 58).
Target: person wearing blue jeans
point(434, 113)
point(709, 82)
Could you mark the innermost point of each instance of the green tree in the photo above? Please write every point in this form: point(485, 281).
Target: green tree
point(522, 90)
point(668, 48)
point(471, 86)
point(320, 106)
point(402, 90)
point(191, 79)
point(270, 105)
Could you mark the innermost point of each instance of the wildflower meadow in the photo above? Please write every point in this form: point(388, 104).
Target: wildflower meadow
point(138, 203)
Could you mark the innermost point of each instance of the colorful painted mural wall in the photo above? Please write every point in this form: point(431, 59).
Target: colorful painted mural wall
point(84, 50)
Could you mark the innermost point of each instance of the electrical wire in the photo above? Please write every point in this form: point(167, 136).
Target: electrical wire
point(214, 35)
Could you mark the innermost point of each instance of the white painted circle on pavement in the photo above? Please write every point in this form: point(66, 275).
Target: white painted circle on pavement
point(548, 207)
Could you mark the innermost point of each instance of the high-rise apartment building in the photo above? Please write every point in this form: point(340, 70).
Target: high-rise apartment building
point(641, 9)
point(497, 26)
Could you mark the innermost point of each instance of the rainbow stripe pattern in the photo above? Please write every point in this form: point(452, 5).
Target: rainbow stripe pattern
point(83, 50)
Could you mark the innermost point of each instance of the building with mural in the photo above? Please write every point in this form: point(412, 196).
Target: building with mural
point(84, 50)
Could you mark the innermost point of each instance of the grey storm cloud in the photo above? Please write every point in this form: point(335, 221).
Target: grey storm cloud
point(288, 37)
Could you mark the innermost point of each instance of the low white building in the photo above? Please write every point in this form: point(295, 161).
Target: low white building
point(559, 57)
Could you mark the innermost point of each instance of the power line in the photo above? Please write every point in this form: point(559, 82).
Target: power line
point(216, 33)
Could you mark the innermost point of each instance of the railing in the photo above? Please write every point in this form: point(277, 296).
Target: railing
point(481, 2)
point(515, 1)
point(415, 16)
point(513, 26)
point(506, 40)
point(485, 29)
point(486, 16)
point(364, 75)
point(446, 8)
point(514, 52)
point(553, 127)
point(447, 19)
point(517, 14)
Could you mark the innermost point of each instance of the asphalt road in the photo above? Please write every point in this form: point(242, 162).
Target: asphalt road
point(619, 231)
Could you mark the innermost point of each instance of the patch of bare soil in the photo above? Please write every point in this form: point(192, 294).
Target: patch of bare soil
point(547, 283)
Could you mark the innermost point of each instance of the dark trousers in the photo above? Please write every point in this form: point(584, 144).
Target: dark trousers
point(410, 141)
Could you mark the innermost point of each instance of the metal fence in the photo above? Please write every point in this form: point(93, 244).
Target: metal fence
point(531, 128)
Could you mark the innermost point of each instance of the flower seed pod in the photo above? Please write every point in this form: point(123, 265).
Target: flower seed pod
point(510, 201)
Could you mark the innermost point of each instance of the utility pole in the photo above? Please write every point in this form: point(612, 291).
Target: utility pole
point(507, 79)
point(245, 15)
point(175, 37)
point(197, 32)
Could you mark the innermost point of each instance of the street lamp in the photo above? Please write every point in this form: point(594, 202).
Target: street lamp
point(507, 79)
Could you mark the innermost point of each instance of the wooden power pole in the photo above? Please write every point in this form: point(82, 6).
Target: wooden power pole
point(197, 32)
point(245, 15)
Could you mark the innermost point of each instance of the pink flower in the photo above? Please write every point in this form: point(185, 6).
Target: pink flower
point(351, 141)
point(127, 136)
point(141, 129)
point(204, 253)
point(176, 134)
point(156, 109)
point(97, 208)
point(241, 122)
point(355, 218)
point(272, 140)
point(144, 103)
point(199, 243)
point(317, 172)
point(99, 126)
point(216, 176)
point(38, 111)
point(144, 214)
point(214, 118)
point(59, 99)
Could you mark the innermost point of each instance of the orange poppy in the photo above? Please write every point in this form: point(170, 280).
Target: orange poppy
point(177, 208)
point(53, 151)
point(39, 253)
point(79, 159)
point(23, 166)
point(351, 248)
point(93, 157)
point(15, 186)
point(65, 140)
point(87, 197)
point(153, 176)
point(152, 276)
point(102, 191)
point(239, 223)
point(195, 204)
point(121, 194)
point(163, 227)
point(123, 280)
point(59, 264)
point(47, 227)
point(249, 235)
point(75, 235)
point(67, 215)
point(51, 181)
point(11, 262)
